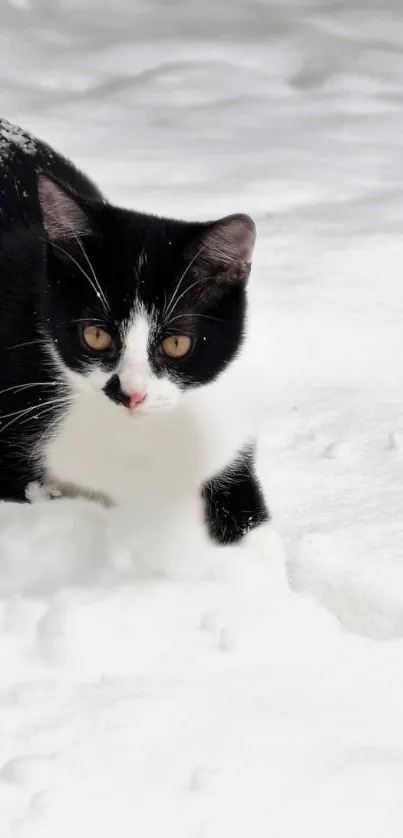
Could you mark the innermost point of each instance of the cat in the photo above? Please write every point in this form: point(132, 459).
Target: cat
point(121, 340)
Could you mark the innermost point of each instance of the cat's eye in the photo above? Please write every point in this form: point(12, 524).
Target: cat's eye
point(98, 339)
point(176, 346)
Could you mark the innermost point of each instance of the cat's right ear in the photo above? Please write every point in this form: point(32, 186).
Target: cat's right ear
point(63, 217)
point(224, 250)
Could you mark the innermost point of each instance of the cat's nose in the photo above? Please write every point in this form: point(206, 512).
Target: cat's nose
point(136, 399)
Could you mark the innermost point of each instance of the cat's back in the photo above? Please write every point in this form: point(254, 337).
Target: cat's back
point(22, 157)
point(22, 237)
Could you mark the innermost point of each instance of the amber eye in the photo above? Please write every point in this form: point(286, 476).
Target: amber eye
point(176, 346)
point(97, 339)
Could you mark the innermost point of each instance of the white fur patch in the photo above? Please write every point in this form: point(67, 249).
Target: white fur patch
point(134, 368)
point(135, 373)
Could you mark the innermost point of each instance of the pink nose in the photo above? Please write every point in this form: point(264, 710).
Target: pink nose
point(135, 399)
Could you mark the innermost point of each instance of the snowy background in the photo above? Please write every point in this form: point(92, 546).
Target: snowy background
point(248, 696)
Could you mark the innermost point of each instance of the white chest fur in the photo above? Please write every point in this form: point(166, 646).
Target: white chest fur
point(159, 458)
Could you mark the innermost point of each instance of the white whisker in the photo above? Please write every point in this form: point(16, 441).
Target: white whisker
point(85, 320)
point(181, 278)
point(194, 314)
point(45, 409)
point(19, 414)
point(25, 343)
point(37, 447)
point(178, 299)
point(18, 387)
point(94, 286)
point(87, 259)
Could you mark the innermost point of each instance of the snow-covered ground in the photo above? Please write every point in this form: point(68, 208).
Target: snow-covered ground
point(221, 700)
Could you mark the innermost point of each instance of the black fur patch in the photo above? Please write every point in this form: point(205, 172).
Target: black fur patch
point(234, 501)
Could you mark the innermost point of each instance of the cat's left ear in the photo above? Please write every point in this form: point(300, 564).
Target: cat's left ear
point(224, 249)
point(63, 217)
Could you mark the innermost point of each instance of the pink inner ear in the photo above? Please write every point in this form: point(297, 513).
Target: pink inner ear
point(62, 215)
point(230, 240)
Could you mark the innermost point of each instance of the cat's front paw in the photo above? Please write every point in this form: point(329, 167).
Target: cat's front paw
point(36, 492)
point(234, 501)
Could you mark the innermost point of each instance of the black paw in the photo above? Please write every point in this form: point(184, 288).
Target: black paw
point(234, 501)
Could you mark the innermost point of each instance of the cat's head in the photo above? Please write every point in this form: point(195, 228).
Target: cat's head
point(138, 307)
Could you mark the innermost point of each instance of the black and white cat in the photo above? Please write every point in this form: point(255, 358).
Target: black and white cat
point(121, 341)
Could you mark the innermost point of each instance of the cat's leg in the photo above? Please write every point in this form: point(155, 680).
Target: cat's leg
point(234, 500)
point(12, 490)
point(15, 475)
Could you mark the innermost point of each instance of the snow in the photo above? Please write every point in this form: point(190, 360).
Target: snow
point(243, 692)
point(13, 135)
